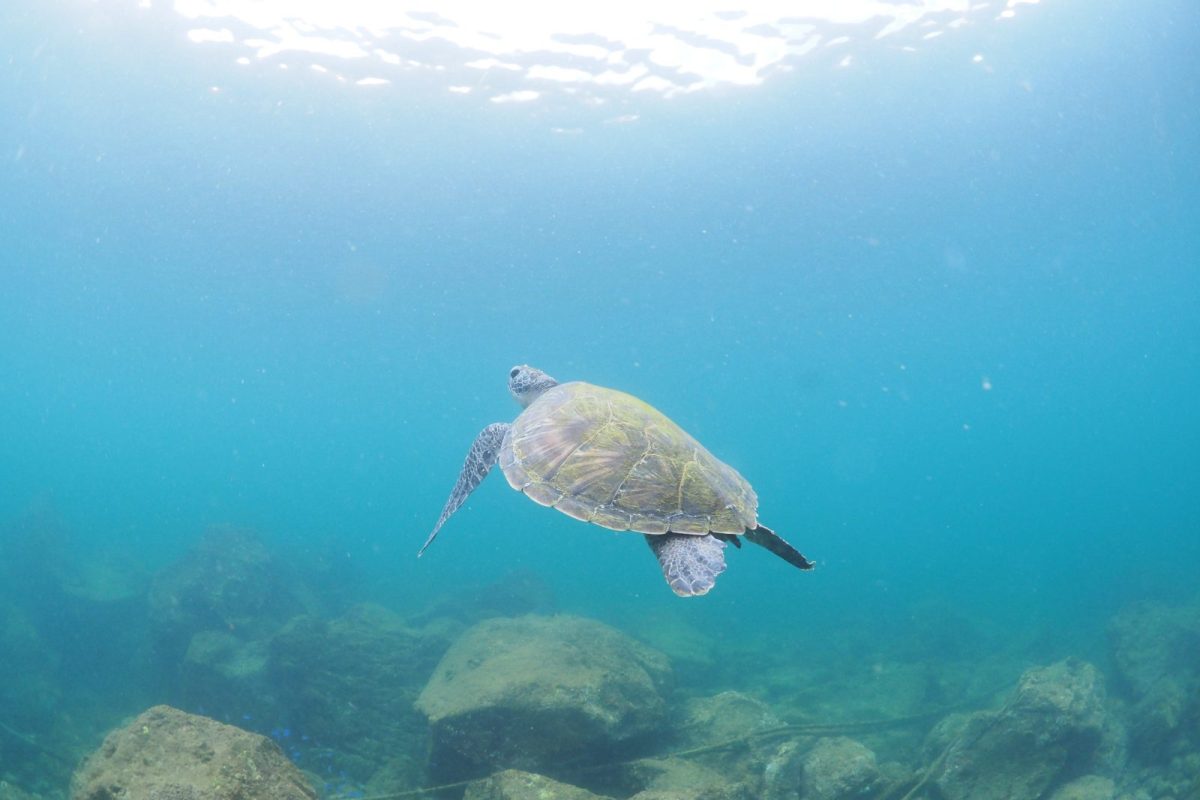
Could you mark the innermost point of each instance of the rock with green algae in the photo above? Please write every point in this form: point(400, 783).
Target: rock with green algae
point(728, 717)
point(838, 768)
point(400, 774)
point(1055, 719)
point(513, 784)
point(1156, 650)
point(1089, 787)
point(351, 682)
point(167, 754)
point(537, 691)
point(683, 779)
point(723, 717)
point(230, 581)
point(834, 767)
point(227, 677)
point(1150, 641)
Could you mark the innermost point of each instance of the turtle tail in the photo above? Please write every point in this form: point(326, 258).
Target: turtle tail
point(765, 537)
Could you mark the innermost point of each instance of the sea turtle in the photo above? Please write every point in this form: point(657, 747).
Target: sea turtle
point(604, 456)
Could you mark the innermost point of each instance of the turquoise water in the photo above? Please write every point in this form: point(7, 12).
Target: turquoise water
point(940, 312)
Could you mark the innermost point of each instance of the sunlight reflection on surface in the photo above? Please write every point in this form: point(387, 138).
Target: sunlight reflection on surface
point(523, 52)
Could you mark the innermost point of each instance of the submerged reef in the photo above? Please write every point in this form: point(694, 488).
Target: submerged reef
point(490, 696)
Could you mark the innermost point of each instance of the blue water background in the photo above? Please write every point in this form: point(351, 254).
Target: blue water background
point(291, 304)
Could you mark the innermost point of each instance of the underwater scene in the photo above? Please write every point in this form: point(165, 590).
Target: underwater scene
point(803, 397)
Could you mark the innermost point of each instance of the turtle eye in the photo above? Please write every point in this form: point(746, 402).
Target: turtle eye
point(514, 372)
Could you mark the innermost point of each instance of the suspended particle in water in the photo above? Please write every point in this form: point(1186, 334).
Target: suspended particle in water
point(985, 383)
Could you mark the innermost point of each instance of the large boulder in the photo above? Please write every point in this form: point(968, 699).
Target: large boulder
point(1150, 642)
point(1054, 722)
point(681, 779)
point(229, 582)
point(512, 784)
point(1156, 651)
point(536, 692)
point(352, 681)
point(723, 717)
point(226, 678)
point(839, 768)
point(166, 754)
point(728, 717)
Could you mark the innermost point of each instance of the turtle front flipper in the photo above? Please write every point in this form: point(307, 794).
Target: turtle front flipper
point(480, 458)
point(690, 563)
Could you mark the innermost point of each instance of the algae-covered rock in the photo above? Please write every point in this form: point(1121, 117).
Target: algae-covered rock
point(512, 784)
point(166, 754)
point(783, 770)
point(399, 774)
point(722, 717)
point(1156, 651)
point(1055, 718)
point(229, 582)
point(683, 779)
point(226, 678)
point(730, 717)
point(351, 682)
point(1089, 787)
point(539, 691)
point(1150, 642)
point(838, 768)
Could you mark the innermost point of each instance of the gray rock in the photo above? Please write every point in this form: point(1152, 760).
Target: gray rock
point(838, 768)
point(512, 784)
point(537, 691)
point(1055, 718)
point(1089, 787)
point(166, 754)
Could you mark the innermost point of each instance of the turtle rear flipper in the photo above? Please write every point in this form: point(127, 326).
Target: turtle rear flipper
point(480, 458)
point(690, 563)
point(765, 537)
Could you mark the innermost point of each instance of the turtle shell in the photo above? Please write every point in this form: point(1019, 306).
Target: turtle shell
point(606, 457)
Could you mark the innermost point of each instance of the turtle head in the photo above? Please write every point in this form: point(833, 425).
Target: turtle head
point(527, 383)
